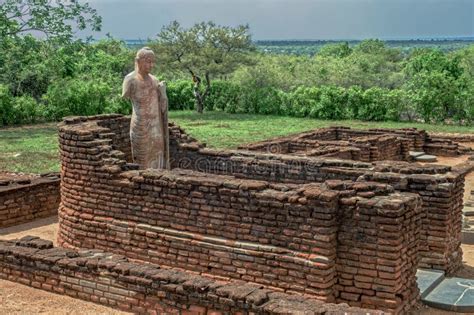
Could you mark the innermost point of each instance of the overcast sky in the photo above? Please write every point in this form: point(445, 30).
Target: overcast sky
point(294, 19)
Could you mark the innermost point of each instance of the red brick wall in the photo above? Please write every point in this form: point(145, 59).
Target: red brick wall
point(440, 187)
point(283, 236)
point(23, 200)
point(209, 224)
point(378, 247)
point(114, 281)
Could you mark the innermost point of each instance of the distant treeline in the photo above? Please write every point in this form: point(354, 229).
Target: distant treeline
point(312, 47)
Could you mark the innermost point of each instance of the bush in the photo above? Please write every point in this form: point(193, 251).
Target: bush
point(180, 95)
point(223, 94)
point(76, 97)
point(7, 116)
point(265, 100)
point(302, 100)
point(27, 110)
point(332, 104)
point(325, 102)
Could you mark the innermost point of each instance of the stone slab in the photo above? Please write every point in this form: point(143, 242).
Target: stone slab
point(415, 154)
point(427, 280)
point(452, 294)
point(426, 158)
point(468, 210)
point(467, 237)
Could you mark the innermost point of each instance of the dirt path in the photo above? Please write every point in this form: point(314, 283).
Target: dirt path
point(46, 228)
point(20, 299)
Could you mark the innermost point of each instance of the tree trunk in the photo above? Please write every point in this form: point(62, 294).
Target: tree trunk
point(198, 97)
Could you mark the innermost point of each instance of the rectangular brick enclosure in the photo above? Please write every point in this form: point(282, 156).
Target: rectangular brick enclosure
point(362, 145)
point(26, 198)
point(335, 230)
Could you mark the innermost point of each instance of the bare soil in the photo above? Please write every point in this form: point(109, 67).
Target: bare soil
point(452, 161)
point(20, 299)
point(16, 176)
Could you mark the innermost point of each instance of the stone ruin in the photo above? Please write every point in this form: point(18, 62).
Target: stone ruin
point(299, 226)
point(27, 198)
point(362, 145)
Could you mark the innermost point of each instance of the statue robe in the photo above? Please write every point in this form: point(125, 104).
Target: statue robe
point(149, 133)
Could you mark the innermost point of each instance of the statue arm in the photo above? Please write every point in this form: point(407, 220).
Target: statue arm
point(127, 88)
point(163, 96)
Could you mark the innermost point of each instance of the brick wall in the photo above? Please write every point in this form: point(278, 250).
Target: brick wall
point(440, 187)
point(375, 144)
point(209, 224)
point(378, 247)
point(285, 236)
point(24, 200)
point(114, 281)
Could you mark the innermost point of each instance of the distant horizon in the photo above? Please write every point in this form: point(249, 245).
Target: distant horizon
point(444, 38)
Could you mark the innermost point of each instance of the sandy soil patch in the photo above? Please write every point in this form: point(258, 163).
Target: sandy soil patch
point(20, 299)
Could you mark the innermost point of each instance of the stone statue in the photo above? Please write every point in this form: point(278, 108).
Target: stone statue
point(149, 133)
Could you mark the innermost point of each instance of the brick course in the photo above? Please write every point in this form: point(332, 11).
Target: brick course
point(26, 199)
point(363, 145)
point(114, 281)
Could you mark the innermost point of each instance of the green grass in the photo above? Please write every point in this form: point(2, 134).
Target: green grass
point(222, 130)
point(34, 148)
point(29, 149)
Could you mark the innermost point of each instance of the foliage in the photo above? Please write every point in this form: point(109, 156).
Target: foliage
point(339, 50)
point(76, 97)
point(53, 18)
point(436, 81)
point(205, 50)
point(44, 80)
point(6, 108)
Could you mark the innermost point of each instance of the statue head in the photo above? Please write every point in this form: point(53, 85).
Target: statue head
point(144, 60)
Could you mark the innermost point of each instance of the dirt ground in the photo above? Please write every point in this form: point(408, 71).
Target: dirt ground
point(19, 299)
point(452, 161)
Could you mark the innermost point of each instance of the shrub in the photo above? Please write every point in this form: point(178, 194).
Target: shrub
point(6, 106)
point(223, 94)
point(332, 104)
point(27, 110)
point(76, 97)
point(180, 94)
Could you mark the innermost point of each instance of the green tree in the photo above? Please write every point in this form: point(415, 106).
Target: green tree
point(339, 50)
point(53, 18)
point(205, 50)
point(436, 81)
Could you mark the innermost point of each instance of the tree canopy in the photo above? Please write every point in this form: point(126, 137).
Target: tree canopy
point(205, 50)
point(52, 18)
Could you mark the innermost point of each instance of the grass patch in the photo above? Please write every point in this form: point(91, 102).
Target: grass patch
point(29, 149)
point(34, 148)
point(222, 130)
